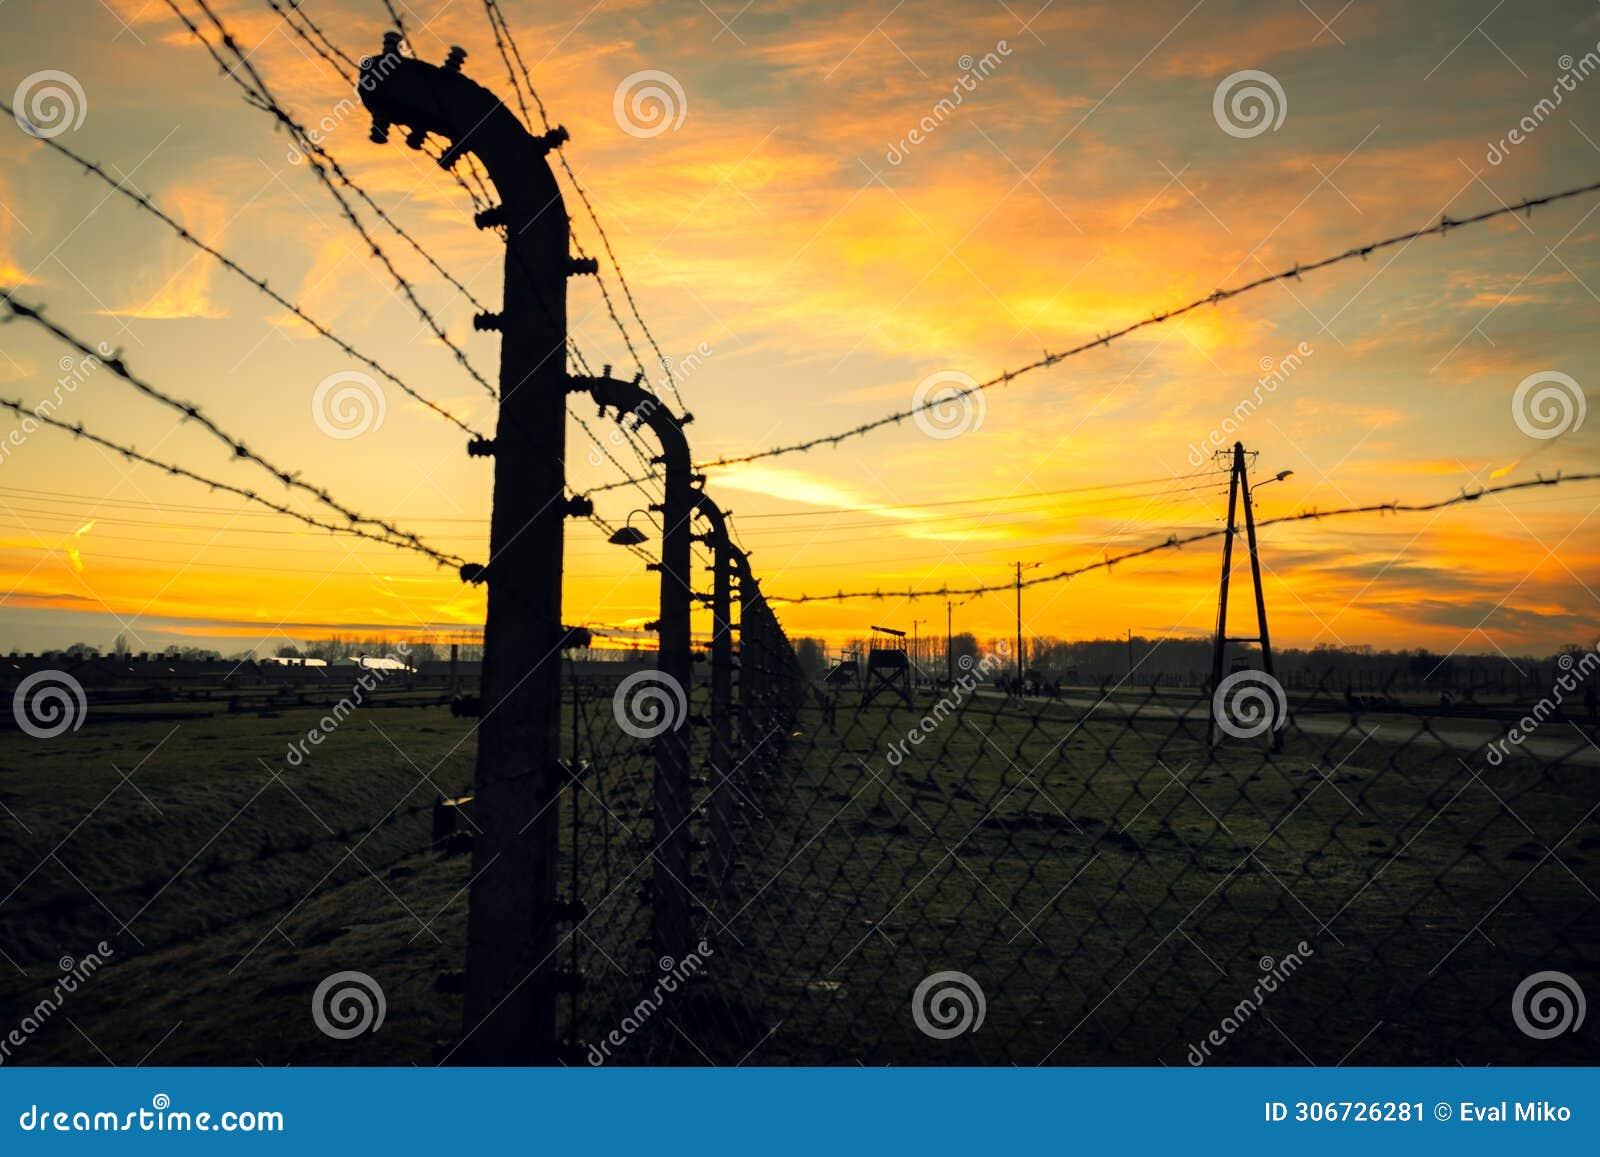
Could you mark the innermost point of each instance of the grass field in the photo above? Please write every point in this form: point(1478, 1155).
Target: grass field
point(1110, 890)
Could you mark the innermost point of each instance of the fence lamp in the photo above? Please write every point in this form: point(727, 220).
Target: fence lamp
point(628, 534)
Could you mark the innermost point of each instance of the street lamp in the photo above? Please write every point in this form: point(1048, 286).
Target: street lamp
point(627, 534)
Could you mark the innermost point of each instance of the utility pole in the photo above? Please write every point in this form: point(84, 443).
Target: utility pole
point(1019, 628)
point(511, 978)
point(916, 651)
point(1239, 488)
point(1130, 652)
point(949, 644)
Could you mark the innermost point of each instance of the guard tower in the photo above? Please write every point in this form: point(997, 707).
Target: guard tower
point(888, 669)
point(845, 673)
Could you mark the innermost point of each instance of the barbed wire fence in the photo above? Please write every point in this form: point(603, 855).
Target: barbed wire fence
point(727, 856)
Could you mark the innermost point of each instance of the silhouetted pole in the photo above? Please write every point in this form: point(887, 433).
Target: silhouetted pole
point(916, 650)
point(721, 801)
point(510, 984)
point(1239, 486)
point(1263, 638)
point(949, 644)
point(1019, 628)
point(670, 888)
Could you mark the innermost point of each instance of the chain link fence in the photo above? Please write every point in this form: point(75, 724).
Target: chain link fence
point(958, 874)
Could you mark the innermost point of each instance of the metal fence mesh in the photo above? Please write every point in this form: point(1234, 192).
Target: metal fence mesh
point(985, 878)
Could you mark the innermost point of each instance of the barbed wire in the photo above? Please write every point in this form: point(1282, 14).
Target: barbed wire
point(1439, 228)
point(77, 429)
point(323, 45)
point(497, 24)
point(1175, 542)
point(322, 163)
point(329, 51)
point(394, 15)
point(260, 283)
point(188, 411)
point(317, 39)
point(264, 99)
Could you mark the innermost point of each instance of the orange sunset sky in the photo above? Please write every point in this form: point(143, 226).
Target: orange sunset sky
point(815, 264)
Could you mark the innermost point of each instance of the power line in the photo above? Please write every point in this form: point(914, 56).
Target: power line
point(497, 23)
point(321, 163)
point(190, 412)
point(1031, 494)
point(1175, 542)
point(257, 89)
point(1440, 228)
point(311, 35)
point(258, 283)
point(404, 542)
